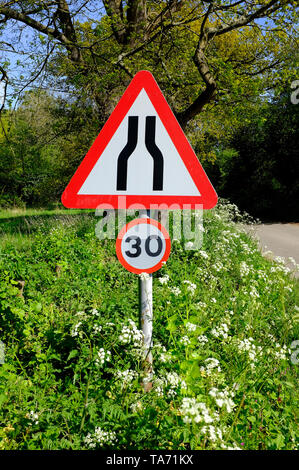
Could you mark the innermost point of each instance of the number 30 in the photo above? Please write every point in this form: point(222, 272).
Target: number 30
point(147, 246)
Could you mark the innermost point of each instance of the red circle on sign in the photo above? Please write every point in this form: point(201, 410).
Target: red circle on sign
point(123, 232)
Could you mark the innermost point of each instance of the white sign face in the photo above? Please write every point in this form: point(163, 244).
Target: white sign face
point(143, 245)
point(143, 131)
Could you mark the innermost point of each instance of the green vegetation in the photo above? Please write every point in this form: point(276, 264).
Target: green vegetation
point(258, 168)
point(225, 318)
point(224, 67)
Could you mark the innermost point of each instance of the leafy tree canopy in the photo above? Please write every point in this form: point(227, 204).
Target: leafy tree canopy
point(201, 52)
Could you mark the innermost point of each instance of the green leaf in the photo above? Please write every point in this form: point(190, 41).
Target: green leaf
point(171, 324)
point(72, 354)
point(252, 419)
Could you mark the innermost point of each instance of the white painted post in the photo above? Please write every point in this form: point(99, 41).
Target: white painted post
point(146, 320)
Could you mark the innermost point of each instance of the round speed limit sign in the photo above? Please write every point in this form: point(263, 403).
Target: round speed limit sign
point(143, 245)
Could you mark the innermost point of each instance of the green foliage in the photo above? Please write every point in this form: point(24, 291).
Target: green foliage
point(225, 318)
point(260, 172)
point(45, 140)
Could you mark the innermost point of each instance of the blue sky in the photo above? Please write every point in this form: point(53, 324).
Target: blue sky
point(20, 64)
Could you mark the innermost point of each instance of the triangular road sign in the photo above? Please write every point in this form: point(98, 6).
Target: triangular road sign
point(142, 155)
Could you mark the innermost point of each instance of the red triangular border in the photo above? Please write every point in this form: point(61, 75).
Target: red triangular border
point(142, 79)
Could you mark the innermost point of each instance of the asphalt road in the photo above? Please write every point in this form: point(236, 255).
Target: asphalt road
point(281, 239)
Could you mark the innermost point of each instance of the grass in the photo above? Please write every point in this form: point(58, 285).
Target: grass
point(17, 225)
point(225, 322)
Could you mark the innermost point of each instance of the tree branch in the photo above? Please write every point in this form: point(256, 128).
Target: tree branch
point(4, 79)
point(245, 19)
point(200, 60)
point(67, 37)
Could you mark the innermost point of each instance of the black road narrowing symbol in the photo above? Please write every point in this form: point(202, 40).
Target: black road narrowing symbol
point(122, 162)
point(150, 132)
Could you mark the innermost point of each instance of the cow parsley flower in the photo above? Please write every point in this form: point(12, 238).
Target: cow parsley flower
point(190, 326)
point(33, 417)
point(126, 376)
point(100, 437)
point(211, 365)
point(185, 340)
point(223, 398)
point(214, 434)
point(190, 286)
point(220, 331)
point(204, 254)
point(75, 330)
point(164, 279)
point(102, 357)
point(244, 269)
point(195, 411)
point(170, 384)
point(97, 328)
point(136, 407)
point(95, 312)
point(130, 334)
point(202, 339)
point(247, 345)
point(175, 290)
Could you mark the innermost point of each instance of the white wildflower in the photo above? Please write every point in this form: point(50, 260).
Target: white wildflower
point(75, 330)
point(126, 376)
point(190, 286)
point(189, 245)
point(95, 312)
point(164, 280)
point(223, 398)
point(211, 365)
point(201, 305)
point(33, 417)
point(220, 330)
point(185, 340)
point(190, 326)
point(194, 411)
point(130, 334)
point(204, 254)
point(247, 345)
point(172, 382)
point(100, 437)
point(202, 339)
point(175, 290)
point(244, 269)
point(254, 293)
point(218, 266)
point(214, 434)
point(97, 328)
point(102, 357)
point(136, 407)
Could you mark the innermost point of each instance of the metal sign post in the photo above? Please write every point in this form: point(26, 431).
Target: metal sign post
point(146, 324)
